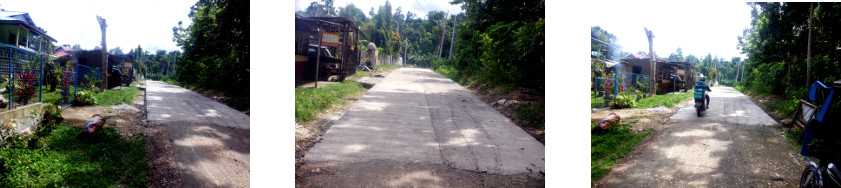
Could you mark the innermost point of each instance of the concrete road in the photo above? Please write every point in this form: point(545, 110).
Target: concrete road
point(416, 116)
point(210, 141)
point(733, 145)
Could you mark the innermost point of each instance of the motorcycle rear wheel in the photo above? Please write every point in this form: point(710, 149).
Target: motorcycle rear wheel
point(807, 179)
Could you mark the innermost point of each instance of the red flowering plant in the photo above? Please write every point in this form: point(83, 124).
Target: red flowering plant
point(25, 86)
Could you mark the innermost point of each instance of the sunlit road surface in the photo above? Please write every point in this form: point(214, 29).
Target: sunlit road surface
point(734, 144)
point(210, 141)
point(420, 117)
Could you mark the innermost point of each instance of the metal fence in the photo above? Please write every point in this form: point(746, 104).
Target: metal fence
point(75, 78)
point(21, 73)
point(605, 90)
point(68, 89)
point(88, 77)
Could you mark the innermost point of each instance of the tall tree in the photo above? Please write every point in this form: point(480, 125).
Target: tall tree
point(653, 63)
point(809, 47)
point(354, 13)
point(104, 68)
point(215, 47)
point(116, 51)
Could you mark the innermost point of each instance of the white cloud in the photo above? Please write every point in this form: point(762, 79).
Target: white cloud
point(130, 23)
point(696, 27)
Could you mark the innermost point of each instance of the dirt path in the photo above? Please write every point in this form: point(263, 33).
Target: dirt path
point(735, 144)
point(418, 123)
point(208, 141)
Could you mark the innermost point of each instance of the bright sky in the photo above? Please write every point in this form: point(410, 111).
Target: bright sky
point(697, 27)
point(147, 23)
point(417, 7)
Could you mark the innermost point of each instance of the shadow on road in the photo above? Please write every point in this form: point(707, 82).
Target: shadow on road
point(711, 151)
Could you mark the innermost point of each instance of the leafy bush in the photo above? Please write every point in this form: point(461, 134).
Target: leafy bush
point(51, 119)
point(444, 68)
point(624, 100)
point(768, 78)
point(84, 98)
point(13, 138)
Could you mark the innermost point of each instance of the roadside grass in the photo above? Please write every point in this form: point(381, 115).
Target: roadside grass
point(67, 162)
point(360, 74)
point(606, 148)
point(116, 96)
point(781, 107)
point(667, 100)
point(386, 67)
point(448, 72)
point(534, 115)
point(792, 136)
point(309, 102)
point(596, 102)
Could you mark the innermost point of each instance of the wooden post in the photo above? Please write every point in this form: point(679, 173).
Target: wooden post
point(17, 37)
point(318, 54)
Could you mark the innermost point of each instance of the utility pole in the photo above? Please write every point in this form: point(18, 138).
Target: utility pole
point(102, 26)
point(651, 59)
point(453, 37)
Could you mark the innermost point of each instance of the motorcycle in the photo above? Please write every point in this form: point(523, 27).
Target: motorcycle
point(821, 141)
point(700, 103)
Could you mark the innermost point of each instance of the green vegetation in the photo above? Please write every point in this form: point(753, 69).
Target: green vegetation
point(360, 74)
point(533, 114)
point(68, 162)
point(309, 102)
point(667, 100)
point(216, 47)
point(778, 44)
point(386, 67)
point(114, 97)
point(606, 148)
point(792, 136)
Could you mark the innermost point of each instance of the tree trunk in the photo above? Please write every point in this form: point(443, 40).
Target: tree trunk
point(809, 48)
point(652, 62)
point(453, 37)
point(102, 26)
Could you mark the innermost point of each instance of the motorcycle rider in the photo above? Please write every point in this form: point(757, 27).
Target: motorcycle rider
point(703, 85)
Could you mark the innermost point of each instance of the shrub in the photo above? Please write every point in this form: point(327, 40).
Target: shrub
point(84, 98)
point(51, 119)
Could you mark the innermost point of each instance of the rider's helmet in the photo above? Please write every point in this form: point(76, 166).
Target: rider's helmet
point(702, 78)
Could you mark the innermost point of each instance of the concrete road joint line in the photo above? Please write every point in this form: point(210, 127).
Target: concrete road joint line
point(437, 138)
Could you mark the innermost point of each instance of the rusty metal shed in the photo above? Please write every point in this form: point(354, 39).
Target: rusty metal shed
point(671, 76)
point(339, 61)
